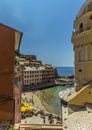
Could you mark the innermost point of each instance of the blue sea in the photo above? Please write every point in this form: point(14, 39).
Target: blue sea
point(65, 71)
point(53, 93)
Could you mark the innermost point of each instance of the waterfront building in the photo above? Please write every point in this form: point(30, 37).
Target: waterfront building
point(77, 104)
point(30, 57)
point(29, 72)
point(48, 74)
point(32, 76)
point(35, 63)
point(35, 76)
point(10, 84)
point(21, 60)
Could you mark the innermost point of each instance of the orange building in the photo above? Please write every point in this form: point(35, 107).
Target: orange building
point(10, 93)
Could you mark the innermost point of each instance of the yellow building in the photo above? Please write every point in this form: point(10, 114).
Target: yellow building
point(82, 42)
point(77, 103)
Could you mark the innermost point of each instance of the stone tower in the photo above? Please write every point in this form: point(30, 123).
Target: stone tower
point(77, 105)
point(82, 42)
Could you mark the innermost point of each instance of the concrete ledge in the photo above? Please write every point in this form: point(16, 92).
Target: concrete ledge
point(40, 127)
point(81, 97)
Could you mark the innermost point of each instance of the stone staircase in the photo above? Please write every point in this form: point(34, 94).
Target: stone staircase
point(77, 113)
point(80, 119)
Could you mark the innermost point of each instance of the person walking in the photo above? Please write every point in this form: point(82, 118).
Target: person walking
point(44, 119)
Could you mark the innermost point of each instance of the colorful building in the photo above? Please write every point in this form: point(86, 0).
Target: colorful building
point(32, 76)
point(35, 74)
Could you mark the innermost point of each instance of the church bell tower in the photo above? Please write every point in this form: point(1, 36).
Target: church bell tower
point(82, 43)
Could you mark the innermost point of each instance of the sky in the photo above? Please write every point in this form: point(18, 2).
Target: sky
point(47, 27)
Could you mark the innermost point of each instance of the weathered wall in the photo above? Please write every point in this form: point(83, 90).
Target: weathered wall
point(6, 60)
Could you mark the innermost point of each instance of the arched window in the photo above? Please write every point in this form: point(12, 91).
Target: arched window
point(81, 26)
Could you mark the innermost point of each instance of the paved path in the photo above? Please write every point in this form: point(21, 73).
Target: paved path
point(81, 120)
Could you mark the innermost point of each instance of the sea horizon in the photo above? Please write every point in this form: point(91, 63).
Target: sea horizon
point(65, 71)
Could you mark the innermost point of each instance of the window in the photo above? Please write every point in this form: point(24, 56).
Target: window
point(81, 26)
point(80, 70)
point(79, 55)
point(91, 16)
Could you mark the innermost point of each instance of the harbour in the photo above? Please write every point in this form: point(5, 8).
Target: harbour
point(52, 95)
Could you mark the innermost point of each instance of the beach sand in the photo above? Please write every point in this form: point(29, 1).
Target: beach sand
point(33, 99)
point(38, 100)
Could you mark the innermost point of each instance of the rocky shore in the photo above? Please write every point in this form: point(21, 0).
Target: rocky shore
point(33, 99)
point(66, 93)
point(39, 101)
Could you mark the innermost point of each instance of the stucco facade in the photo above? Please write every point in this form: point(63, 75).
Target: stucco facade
point(77, 102)
point(82, 43)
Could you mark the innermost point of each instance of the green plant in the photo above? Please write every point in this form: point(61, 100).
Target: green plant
point(11, 127)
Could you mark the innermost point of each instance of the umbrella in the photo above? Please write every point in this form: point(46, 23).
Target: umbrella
point(23, 109)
